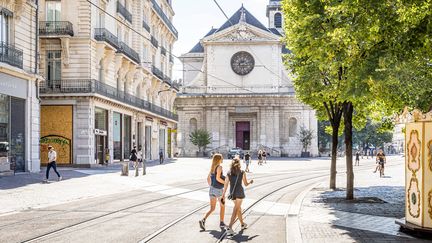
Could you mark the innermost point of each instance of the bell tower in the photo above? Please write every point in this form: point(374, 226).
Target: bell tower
point(275, 15)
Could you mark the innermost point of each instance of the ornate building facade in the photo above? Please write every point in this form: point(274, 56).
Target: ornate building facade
point(108, 87)
point(237, 88)
point(19, 104)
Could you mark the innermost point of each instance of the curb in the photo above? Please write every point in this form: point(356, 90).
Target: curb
point(293, 233)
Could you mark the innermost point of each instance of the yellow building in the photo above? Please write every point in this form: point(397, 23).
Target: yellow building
point(104, 78)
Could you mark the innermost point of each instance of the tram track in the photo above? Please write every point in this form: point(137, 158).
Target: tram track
point(163, 229)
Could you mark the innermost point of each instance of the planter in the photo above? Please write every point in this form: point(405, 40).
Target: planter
point(200, 154)
point(305, 154)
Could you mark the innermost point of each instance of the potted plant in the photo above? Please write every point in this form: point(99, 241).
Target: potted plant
point(305, 137)
point(200, 138)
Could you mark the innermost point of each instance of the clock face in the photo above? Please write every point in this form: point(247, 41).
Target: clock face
point(242, 63)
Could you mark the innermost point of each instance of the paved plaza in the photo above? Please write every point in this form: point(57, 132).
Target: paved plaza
point(289, 202)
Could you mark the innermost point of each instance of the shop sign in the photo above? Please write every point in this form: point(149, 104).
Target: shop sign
point(13, 86)
point(100, 132)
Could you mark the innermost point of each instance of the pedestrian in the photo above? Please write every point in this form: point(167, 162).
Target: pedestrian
point(52, 158)
point(141, 159)
point(161, 157)
point(216, 181)
point(260, 158)
point(247, 161)
point(264, 156)
point(357, 158)
point(380, 160)
point(133, 157)
point(234, 179)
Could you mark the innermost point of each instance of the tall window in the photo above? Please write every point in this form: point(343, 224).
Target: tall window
point(278, 20)
point(53, 65)
point(4, 27)
point(292, 127)
point(53, 12)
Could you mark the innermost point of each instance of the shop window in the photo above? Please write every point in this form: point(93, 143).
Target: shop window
point(117, 134)
point(127, 135)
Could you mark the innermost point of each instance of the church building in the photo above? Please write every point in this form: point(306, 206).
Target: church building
point(237, 88)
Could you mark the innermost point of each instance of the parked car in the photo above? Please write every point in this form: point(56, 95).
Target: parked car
point(234, 151)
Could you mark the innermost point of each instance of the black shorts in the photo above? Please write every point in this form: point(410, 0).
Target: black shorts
point(381, 163)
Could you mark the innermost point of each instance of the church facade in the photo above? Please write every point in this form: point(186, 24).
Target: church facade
point(237, 88)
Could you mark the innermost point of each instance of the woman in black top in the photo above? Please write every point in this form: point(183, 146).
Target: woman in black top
point(235, 178)
point(133, 157)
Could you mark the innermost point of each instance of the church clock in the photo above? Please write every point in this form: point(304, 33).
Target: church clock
point(242, 63)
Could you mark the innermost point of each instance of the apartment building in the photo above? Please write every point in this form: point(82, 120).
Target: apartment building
point(107, 67)
point(19, 105)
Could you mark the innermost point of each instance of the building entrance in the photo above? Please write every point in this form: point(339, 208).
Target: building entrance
point(243, 135)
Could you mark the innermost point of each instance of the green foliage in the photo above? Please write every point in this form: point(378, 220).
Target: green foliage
point(305, 136)
point(372, 134)
point(200, 138)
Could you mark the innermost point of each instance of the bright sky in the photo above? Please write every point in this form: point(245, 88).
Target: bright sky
point(194, 18)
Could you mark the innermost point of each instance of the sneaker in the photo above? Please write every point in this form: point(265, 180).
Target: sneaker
point(202, 224)
point(45, 181)
point(229, 231)
point(60, 178)
point(222, 225)
point(244, 226)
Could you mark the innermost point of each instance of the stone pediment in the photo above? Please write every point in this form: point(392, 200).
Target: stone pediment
point(241, 33)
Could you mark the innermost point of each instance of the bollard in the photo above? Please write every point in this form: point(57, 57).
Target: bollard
point(144, 166)
point(125, 169)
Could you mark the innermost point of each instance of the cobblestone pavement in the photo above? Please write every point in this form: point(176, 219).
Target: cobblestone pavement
point(326, 217)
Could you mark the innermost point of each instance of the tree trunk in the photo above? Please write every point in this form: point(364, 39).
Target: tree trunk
point(348, 112)
point(335, 135)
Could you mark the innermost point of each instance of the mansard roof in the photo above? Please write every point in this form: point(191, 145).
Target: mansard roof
point(198, 48)
point(236, 18)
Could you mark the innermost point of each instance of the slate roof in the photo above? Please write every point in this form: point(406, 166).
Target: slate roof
point(235, 19)
point(198, 48)
point(275, 31)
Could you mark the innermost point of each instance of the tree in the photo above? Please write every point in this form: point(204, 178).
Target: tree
point(346, 52)
point(305, 136)
point(200, 138)
point(372, 134)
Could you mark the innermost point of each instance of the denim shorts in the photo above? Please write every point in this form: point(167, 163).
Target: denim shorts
point(215, 192)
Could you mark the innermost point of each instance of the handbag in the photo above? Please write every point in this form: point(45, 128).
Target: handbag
point(230, 196)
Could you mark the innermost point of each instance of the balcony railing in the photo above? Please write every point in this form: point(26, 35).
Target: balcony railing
point(158, 73)
point(129, 52)
point(102, 34)
point(165, 19)
point(163, 51)
point(55, 28)
point(122, 10)
point(167, 80)
point(89, 86)
point(146, 26)
point(154, 42)
point(11, 55)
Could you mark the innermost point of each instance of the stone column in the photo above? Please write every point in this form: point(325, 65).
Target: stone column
point(84, 144)
point(276, 135)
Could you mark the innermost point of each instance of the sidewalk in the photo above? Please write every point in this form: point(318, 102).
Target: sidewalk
point(325, 216)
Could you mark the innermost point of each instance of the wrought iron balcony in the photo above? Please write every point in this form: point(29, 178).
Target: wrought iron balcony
point(167, 80)
point(165, 19)
point(154, 42)
point(102, 34)
point(94, 87)
point(146, 26)
point(129, 52)
point(11, 55)
point(55, 28)
point(158, 73)
point(122, 10)
point(163, 51)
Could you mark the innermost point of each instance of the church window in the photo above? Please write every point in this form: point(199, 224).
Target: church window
point(292, 127)
point(278, 20)
point(193, 125)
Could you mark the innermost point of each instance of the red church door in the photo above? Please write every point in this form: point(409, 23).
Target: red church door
point(243, 135)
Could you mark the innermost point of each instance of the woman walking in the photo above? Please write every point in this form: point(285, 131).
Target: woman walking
point(133, 157)
point(235, 177)
point(216, 181)
point(260, 157)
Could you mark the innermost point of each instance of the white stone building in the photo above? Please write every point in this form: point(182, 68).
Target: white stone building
point(108, 80)
point(237, 88)
point(19, 104)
